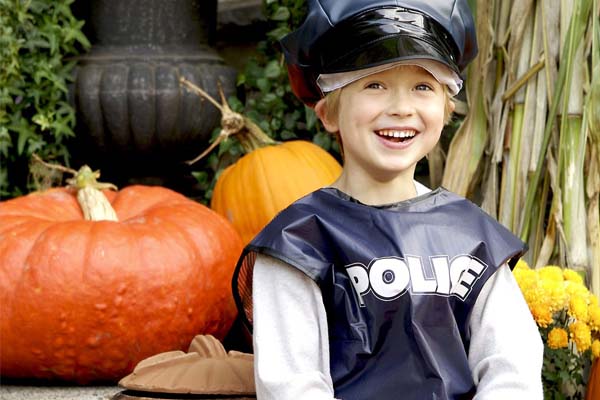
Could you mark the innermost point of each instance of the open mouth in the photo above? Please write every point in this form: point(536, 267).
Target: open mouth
point(396, 136)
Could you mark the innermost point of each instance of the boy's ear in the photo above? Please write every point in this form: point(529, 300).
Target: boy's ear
point(451, 106)
point(321, 111)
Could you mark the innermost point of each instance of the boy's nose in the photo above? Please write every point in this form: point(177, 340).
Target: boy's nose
point(400, 104)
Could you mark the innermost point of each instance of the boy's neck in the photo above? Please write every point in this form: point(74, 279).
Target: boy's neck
point(377, 192)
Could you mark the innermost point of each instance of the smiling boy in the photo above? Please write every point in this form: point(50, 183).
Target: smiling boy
point(377, 287)
point(388, 122)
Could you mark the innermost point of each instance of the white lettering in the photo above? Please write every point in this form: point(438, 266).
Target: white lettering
point(360, 280)
point(419, 283)
point(464, 270)
point(390, 277)
point(442, 274)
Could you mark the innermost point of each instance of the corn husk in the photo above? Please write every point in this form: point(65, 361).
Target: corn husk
point(467, 147)
point(592, 111)
point(540, 165)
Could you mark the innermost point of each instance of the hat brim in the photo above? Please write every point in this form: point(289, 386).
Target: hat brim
point(441, 72)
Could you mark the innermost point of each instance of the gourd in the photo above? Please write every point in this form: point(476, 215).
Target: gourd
point(85, 300)
point(269, 177)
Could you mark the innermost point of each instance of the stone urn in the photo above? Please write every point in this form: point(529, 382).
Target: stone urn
point(134, 120)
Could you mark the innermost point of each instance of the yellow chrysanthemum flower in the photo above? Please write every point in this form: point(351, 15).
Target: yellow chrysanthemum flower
point(528, 282)
point(541, 313)
point(594, 314)
point(573, 276)
point(596, 348)
point(551, 272)
point(554, 294)
point(521, 264)
point(576, 289)
point(578, 308)
point(526, 278)
point(581, 335)
point(558, 338)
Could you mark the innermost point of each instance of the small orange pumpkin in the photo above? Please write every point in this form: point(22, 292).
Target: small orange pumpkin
point(86, 300)
point(269, 177)
point(265, 181)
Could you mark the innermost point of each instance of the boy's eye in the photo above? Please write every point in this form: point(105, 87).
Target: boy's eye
point(374, 85)
point(423, 86)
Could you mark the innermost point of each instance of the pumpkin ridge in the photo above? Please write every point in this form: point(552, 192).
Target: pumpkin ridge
point(130, 195)
point(265, 178)
point(19, 222)
point(36, 207)
point(312, 159)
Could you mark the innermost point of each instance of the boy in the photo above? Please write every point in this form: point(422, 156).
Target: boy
point(377, 287)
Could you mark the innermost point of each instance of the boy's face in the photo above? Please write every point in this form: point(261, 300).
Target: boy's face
point(388, 121)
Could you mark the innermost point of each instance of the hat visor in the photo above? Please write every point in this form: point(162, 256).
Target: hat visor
point(441, 72)
point(391, 48)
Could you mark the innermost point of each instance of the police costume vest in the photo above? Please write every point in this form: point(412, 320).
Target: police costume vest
point(398, 284)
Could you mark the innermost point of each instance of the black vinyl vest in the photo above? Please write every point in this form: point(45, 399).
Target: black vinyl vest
point(398, 284)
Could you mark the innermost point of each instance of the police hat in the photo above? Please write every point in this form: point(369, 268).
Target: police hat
point(346, 35)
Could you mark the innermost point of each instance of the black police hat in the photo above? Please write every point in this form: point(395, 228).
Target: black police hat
point(347, 35)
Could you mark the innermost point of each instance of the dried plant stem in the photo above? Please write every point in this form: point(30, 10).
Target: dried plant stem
point(94, 204)
point(247, 132)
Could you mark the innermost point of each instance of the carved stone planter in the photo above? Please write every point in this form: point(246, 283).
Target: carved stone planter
point(131, 110)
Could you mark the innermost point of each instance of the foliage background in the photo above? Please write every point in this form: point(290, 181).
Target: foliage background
point(37, 38)
point(265, 96)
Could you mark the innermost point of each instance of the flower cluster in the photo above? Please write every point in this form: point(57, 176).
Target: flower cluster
point(568, 317)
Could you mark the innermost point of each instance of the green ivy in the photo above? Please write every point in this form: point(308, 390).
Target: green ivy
point(267, 96)
point(37, 37)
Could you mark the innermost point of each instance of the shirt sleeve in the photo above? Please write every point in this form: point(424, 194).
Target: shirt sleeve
point(291, 348)
point(506, 349)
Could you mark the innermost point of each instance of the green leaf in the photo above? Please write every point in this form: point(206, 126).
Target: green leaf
point(270, 98)
point(288, 135)
point(281, 14)
point(22, 141)
point(311, 118)
point(322, 139)
point(290, 120)
point(200, 176)
point(278, 33)
point(272, 70)
point(42, 120)
point(235, 104)
point(263, 84)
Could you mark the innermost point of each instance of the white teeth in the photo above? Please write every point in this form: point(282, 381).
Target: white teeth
point(396, 134)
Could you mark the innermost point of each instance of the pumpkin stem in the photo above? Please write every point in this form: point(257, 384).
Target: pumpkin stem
point(94, 205)
point(249, 134)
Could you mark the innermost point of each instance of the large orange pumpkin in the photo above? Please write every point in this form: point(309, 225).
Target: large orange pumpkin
point(87, 300)
point(265, 181)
